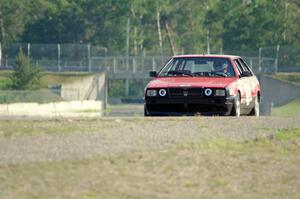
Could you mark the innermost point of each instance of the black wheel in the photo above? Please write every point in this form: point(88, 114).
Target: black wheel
point(255, 111)
point(236, 109)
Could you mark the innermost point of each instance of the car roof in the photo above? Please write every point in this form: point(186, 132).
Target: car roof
point(207, 55)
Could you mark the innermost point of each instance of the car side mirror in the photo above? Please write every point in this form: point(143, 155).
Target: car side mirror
point(246, 74)
point(152, 73)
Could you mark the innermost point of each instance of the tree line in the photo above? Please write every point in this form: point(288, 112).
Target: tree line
point(153, 26)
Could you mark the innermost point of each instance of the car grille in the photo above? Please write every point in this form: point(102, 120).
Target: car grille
point(185, 92)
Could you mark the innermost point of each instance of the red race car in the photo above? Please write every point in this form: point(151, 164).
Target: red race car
point(205, 85)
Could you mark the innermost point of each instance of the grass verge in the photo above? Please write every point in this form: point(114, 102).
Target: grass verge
point(263, 168)
point(289, 77)
point(289, 110)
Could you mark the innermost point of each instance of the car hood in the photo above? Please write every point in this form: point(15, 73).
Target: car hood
point(211, 82)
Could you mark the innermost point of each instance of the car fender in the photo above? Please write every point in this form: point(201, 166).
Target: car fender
point(255, 88)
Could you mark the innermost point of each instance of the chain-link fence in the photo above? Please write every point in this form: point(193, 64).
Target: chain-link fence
point(52, 57)
point(86, 57)
point(286, 57)
point(77, 57)
point(142, 64)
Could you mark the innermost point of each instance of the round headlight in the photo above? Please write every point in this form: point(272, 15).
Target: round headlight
point(162, 92)
point(208, 92)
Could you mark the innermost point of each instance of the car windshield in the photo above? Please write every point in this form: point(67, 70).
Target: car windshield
point(198, 67)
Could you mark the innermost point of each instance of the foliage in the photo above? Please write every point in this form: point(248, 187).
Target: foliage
point(194, 25)
point(26, 76)
point(5, 83)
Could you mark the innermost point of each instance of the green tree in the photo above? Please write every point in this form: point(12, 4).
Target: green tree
point(291, 23)
point(247, 24)
point(11, 20)
point(192, 25)
point(187, 20)
point(16, 14)
point(25, 76)
point(63, 24)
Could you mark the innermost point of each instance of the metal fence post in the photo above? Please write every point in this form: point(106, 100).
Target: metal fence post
point(106, 92)
point(89, 57)
point(115, 64)
point(28, 50)
point(134, 64)
point(259, 60)
point(127, 43)
point(126, 87)
point(58, 57)
point(277, 57)
point(153, 64)
point(6, 60)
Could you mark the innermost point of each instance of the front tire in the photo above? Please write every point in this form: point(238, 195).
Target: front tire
point(236, 109)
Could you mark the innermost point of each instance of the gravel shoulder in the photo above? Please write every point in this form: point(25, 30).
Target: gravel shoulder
point(61, 139)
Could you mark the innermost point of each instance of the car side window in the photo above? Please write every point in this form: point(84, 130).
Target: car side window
point(238, 65)
point(179, 65)
point(245, 66)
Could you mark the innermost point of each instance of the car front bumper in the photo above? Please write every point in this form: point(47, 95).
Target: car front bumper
point(189, 106)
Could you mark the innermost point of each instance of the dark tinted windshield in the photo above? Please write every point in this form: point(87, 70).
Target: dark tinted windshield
point(198, 66)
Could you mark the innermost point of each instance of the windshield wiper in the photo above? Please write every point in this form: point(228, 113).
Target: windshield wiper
point(179, 72)
point(221, 74)
point(206, 74)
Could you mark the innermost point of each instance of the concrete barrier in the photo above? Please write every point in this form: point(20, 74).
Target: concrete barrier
point(71, 108)
point(45, 109)
point(87, 88)
point(75, 105)
point(22, 108)
point(4, 108)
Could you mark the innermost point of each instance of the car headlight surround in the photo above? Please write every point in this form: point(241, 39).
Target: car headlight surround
point(220, 92)
point(151, 93)
point(162, 92)
point(208, 92)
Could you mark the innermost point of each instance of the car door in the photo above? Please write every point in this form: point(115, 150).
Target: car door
point(245, 86)
point(253, 83)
